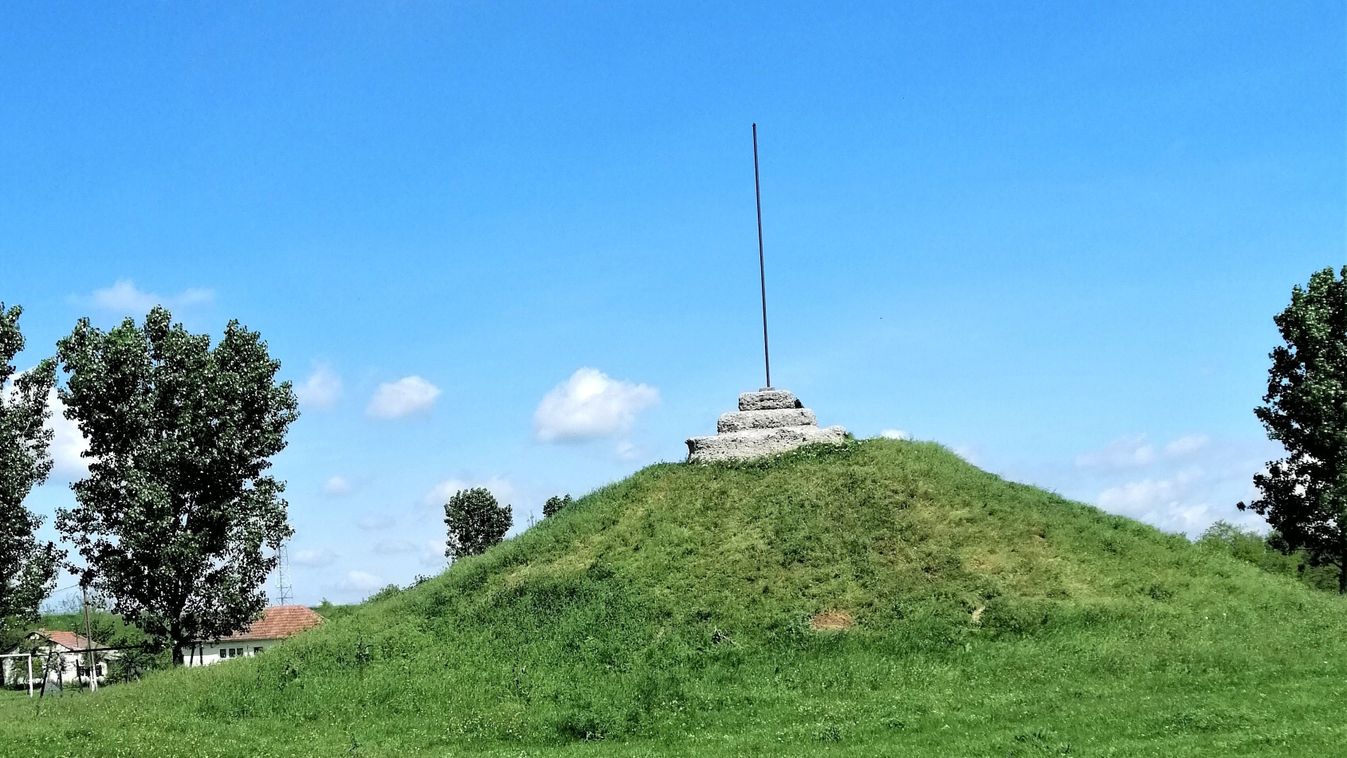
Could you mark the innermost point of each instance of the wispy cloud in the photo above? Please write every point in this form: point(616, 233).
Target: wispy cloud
point(591, 405)
point(432, 553)
point(1176, 503)
point(125, 298)
point(360, 581)
point(336, 486)
point(321, 389)
point(894, 434)
point(499, 486)
point(407, 396)
point(1132, 451)
point(627, 450)
point(1186, 445)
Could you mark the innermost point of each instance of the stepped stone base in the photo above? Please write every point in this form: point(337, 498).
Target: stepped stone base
point(768, 421)
point(737, 421)
point(768, 400)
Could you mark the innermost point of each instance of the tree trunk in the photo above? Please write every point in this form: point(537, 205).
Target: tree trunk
point(1342, 578)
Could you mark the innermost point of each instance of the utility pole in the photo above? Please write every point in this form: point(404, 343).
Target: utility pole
point(762, 268)
point(88, 639)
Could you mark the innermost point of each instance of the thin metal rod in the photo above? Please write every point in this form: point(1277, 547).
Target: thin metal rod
point(762, 267)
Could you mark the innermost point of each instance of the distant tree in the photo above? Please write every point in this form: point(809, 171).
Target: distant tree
point(475, 522)
point(1304, 495)
point(555, 504)
point(177, 522)
point(27, 566)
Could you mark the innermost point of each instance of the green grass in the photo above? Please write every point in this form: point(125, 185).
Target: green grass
point(670, 614)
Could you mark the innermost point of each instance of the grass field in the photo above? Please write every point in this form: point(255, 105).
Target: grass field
point(886, 598)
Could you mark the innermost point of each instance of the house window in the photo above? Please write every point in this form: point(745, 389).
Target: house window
point(257, 651)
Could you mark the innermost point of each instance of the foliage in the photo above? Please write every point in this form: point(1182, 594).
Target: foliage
point(670, 614)
point(330, 610)
point(177, 521)
point(1304, 495)
point(1268, 553)
point(555, 504)
point(474, 521)
point(387, 591)
point(27, 566)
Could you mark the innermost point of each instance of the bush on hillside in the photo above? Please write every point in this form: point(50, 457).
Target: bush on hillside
point(555, 504)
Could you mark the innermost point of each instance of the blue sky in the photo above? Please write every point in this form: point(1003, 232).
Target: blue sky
point(1050, 236)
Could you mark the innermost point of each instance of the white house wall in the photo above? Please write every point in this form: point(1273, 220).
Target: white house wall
point(210, 653)
point(71, 661)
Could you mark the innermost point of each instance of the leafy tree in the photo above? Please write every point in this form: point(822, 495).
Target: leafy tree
point(475, 522)
point(555, 504)
point(1304, 495)
point(27, 567)
point(177, 521)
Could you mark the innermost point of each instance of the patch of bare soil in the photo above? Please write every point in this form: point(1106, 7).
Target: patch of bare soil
point(831, 621)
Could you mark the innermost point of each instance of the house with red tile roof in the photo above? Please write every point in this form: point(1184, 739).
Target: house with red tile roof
point(71, 656)
point(278, 623)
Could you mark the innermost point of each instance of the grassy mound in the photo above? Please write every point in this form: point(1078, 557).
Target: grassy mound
point(883, 598)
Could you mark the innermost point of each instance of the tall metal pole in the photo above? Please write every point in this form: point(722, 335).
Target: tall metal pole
point(762, 267)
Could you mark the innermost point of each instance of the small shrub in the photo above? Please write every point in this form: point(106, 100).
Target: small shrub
point(555, 505)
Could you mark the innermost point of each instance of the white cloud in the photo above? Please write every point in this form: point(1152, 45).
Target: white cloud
point(321, 389)
point(406, 396)
point(1124, 453)
point(313, 557)
point(375, 521)
point(68, 444)
point(337, 486)
point(969, 454)
point(360, 581)
point(499, 486)
point(590, 405)
point(626, 450)
point(1186, 445)
point(895, 434)
point(1174, 503)
point(125, 298)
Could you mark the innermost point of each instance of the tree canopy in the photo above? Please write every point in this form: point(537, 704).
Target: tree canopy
point(1304, 495)
point(27, 566)
point(177, 522)
point(475, 522)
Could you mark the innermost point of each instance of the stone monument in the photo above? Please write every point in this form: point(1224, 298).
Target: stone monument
point(768, 421)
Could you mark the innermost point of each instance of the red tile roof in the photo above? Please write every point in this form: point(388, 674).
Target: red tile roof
point(279, 622)
point(69, 640)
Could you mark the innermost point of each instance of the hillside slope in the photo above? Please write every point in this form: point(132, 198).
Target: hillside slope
point(882, 598)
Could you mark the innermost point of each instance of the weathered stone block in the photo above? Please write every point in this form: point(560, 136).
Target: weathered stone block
point(768, 400)
point(755, 443)
point(769, 419)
